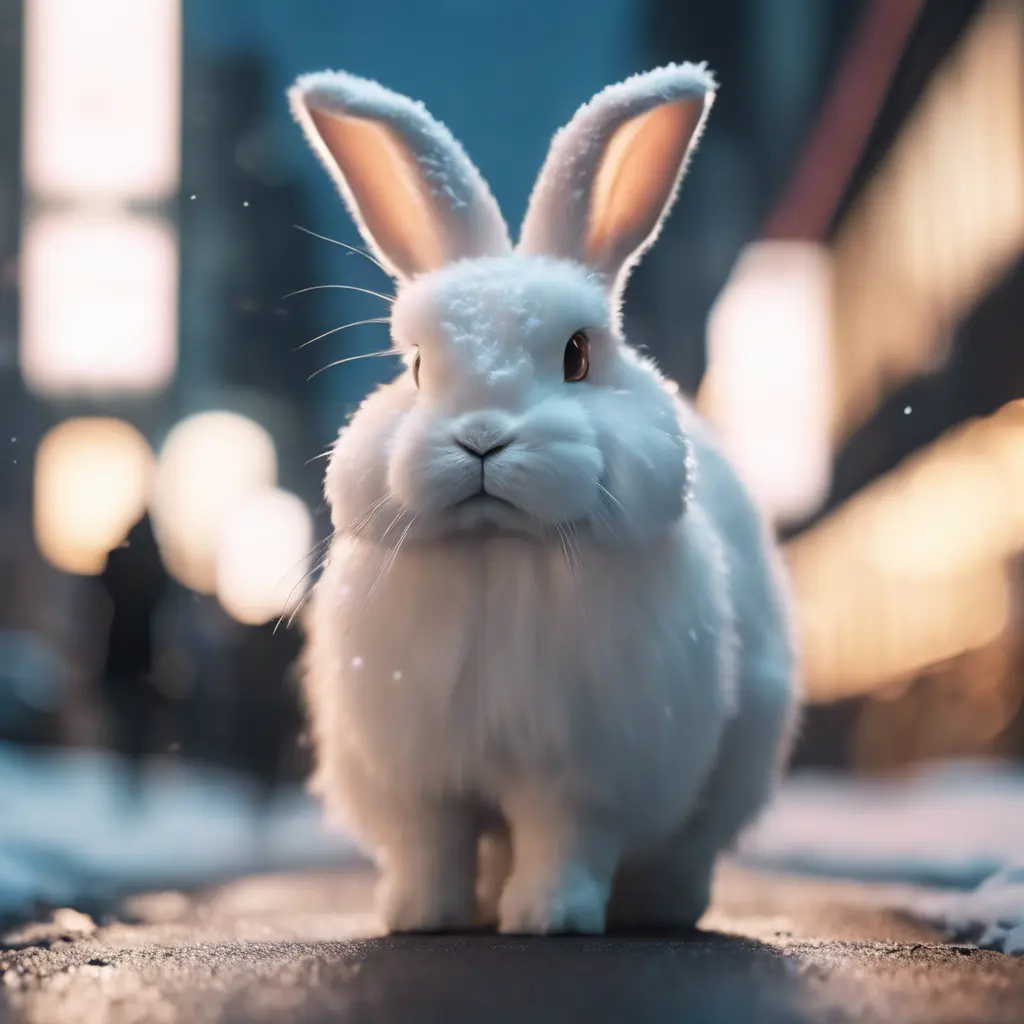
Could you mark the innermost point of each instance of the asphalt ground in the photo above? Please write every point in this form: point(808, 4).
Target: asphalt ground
point(306, 948)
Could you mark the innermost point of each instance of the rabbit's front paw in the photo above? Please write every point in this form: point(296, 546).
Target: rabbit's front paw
point(411, 903)
point(574, 904)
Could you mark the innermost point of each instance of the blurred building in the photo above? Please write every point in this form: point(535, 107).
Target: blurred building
point(889, 445)
point(774, 60)
point(142, 279)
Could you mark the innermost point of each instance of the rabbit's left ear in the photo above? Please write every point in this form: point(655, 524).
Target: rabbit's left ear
point(612, 172)
point(416, 197)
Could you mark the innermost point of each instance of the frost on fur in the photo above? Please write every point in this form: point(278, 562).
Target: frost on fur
point(550, 622)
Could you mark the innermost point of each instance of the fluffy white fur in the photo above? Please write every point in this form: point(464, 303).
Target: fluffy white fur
point(549, 672)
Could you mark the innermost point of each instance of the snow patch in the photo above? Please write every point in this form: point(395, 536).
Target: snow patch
point(69, 831)
point(956, 833)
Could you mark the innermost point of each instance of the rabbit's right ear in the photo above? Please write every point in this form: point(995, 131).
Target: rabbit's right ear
point(613, 171)
point(417, 198)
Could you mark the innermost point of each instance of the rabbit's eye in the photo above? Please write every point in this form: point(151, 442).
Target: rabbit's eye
point(576, 361)
point(416, 368)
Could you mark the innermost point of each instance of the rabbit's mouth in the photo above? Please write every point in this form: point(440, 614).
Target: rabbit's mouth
point(483, 499)
point(485, 512)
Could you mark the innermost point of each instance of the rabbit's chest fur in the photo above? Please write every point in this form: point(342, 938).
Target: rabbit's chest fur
point(477, 664)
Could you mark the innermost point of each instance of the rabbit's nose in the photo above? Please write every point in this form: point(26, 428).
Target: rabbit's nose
point(475, 448)
point(482, 435)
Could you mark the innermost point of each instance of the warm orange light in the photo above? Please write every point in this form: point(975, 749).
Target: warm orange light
point(99, 309)
point(940, 222)
point(92, 479)
point(208, 462)
point(913, 570)
point(768, 383)
point(102, 84)
point(263, 555)
point(861, 628)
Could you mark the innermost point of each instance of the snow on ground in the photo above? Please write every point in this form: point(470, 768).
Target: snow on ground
point(69, 831)
point(69, 835)
point(957, 832)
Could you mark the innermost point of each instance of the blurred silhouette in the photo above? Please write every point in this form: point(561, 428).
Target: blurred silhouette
point(267, 716)
point(136, 580)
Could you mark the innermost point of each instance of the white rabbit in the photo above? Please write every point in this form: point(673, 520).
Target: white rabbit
point(551, 618)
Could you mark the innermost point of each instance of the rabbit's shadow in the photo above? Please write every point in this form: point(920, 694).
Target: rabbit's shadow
point(472, 978)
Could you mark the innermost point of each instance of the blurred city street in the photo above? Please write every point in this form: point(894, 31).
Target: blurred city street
point(188, 318)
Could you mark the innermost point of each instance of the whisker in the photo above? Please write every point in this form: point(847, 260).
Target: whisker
point(344, 327)
point(322, 455)
point(352, 359)
point(304, 600)
point(367, 516)
point(318, 564)
point(398, 546)
point(391, 525)
point(344, 287)
point(313, 552)
point(605, 522)
point(388, 562)
point(604, 490)
point(564, 541)
point(298, 608)
point(565, 550)
point(318, 553)
point(344, 245)
point(575, 544)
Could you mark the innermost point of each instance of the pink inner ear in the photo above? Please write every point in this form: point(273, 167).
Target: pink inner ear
point(382, 176)
point(638, 173)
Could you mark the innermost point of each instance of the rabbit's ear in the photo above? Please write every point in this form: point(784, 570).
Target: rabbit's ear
point(415, 195)
point(612, 172)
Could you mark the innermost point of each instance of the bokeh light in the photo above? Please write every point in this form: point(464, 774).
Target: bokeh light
point(768, 383)
point(102, 87)
point(915, 569)
point(264, 555)
point(92, 479)
point(938, 223)
point(99, 311)
point(208, 462)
